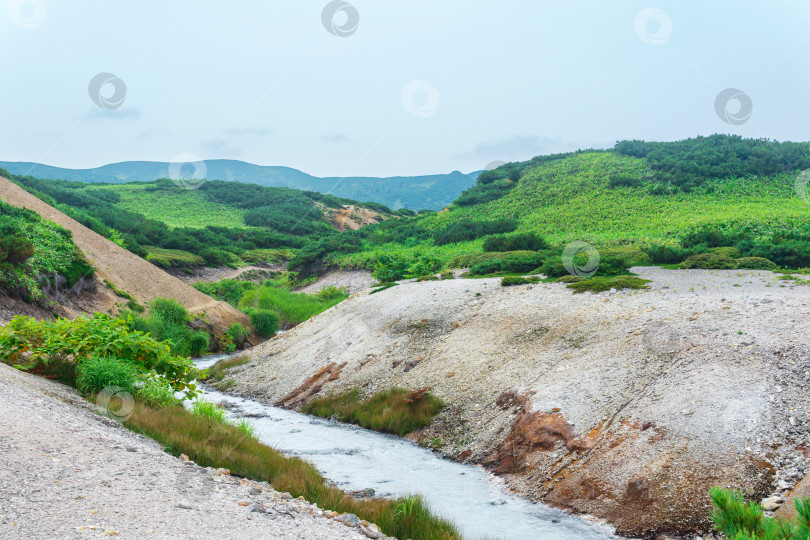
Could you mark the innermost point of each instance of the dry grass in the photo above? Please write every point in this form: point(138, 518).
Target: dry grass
point(212, 444)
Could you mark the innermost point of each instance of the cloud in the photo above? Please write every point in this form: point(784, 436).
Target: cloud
point(249, 132)
point(97, 113)
point(219, 148)
point(517, 148)
point(335, 138)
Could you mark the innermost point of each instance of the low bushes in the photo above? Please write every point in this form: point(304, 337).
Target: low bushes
point(292, 308)
point(713, 261)
point(510, 263)
point(756, 263)
point(169, 258)
point(600, 284)
point(515, 242)
point(470, 229)
point(394, 411)
point(609, 265)
point(510, 281)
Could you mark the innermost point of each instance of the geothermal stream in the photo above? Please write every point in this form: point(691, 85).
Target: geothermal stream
point(356, 459)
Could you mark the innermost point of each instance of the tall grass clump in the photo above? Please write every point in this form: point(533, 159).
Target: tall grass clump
point(213, 444)
point(96, 373)
point(265, 322)
point(396, 411)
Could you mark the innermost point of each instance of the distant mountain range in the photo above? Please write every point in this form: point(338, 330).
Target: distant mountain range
point(415, 192)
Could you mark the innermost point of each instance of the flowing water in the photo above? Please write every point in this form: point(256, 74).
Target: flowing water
point(355, 458)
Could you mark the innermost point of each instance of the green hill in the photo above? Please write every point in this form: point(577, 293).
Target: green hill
point(217, 223)
point(688, 196)
point(415, 192)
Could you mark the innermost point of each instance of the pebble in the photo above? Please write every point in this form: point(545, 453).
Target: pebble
point(350, 520)
point(772, 503)
point(184, 506)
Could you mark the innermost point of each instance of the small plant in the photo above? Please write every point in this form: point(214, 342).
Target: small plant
point(155, 392)
point(448, 274)
point(96, 373)
point(429, 277)
point(405, 507)
point(212, 411)
point(712, 261)
point(247, 429)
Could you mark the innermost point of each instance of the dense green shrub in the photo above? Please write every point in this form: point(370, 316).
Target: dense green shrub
point(96, 373)
point(606, 283)
point(623, 180)
point(660, 254)
point(709, 261)
point(470, 229)
point(168, 321)
point(517, 263)
point(515, 242)
point(265, 322)
point(609, 265)
point(756, 263)
point(99, 336)
point(727, 251)
point(238, 335)
point(427, 277)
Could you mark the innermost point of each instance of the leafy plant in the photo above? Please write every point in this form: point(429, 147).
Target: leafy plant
point(265, 322)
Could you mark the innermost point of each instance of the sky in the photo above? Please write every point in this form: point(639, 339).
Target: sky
point(385, 88)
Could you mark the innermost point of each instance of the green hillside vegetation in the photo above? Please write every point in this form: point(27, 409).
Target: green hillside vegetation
point(649, 203)
point(215, 224)
point(33, 251)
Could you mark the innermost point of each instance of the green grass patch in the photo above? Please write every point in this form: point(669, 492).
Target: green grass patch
point(378, 287)
point(218, 371)
point(210, 443)
point(293, 308)
point(600, 284)
point(170, 258)
point(267, 256)
point(396, 411)
point(509, 281)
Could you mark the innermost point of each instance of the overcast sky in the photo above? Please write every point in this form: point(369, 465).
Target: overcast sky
point(386, 88)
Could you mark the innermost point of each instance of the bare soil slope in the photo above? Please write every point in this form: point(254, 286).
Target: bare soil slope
point(627, 405)
point(70, 473)
point(143, 280)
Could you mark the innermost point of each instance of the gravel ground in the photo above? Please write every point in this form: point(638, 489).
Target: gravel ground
point(69, 473)
point(627, 405)
point(353, 281)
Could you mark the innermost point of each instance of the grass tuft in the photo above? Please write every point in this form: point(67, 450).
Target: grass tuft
point(600, 284)
point(394, 411)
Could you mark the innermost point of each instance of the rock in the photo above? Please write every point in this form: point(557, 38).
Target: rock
point(371, 530)
point(183, 458)
point(255, 490)
point(184, 506)
point(361, 493)
point(330, 513)
point(285, 495)
point(257, 508)
point(350, 520)
point(132, 449)
point(771, 503)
